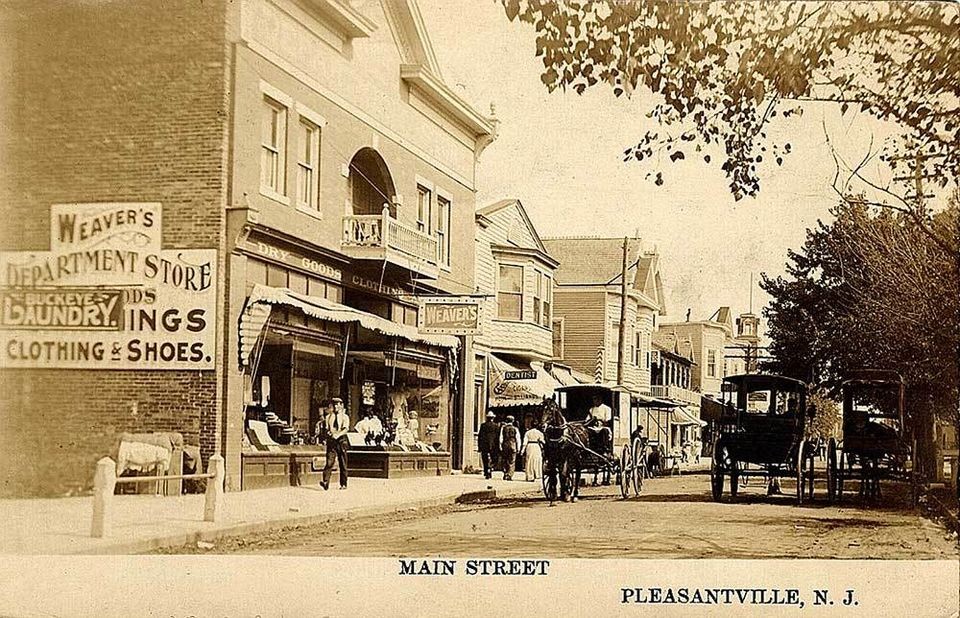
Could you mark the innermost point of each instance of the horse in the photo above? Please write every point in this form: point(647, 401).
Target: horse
point(562, 453)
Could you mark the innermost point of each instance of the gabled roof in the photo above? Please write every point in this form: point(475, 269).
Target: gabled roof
point(648, 279)
point(410, 34)
point(592, 261)
point(724, 316)
point(490, 212)
point(419, 67)
point(672, 343)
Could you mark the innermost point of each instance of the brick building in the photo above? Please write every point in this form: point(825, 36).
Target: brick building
point(313, 146)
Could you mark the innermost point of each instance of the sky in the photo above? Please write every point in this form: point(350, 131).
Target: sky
point(561, 155)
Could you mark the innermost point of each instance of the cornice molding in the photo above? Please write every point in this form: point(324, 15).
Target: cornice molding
point(350, 23)
point(447, 101)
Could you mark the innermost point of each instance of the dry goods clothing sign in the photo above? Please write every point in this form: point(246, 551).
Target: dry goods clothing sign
point(106, 296)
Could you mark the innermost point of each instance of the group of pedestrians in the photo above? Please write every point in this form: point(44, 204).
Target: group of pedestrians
point(500, 444)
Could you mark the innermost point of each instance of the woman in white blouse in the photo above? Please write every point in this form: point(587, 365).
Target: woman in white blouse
point(532, 453)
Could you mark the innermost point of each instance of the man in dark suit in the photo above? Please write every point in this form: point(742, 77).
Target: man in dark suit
point(488, 443)
point(337, 425)
point(510, 441)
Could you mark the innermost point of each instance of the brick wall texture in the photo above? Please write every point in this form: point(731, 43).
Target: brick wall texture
point(108, 100)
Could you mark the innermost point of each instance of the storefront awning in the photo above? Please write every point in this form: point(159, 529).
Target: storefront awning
point(263, 297)
point(515, 385)
point(646, 401)
point(683, 416)
point(564, 375)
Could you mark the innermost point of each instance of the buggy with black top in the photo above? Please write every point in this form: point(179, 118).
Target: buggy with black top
point(761, 434)
point(875, 445)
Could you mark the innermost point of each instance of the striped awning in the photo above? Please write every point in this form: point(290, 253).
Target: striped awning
point(263, 298)
point(519, 385)
point(684, 416)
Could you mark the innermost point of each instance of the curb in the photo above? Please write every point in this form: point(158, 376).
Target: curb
point(191, 538)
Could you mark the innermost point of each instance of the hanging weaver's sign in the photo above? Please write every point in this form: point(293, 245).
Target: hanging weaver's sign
point(106, 296)
point(449, 316)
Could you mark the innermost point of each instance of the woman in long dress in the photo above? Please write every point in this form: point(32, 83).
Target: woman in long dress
point(532, 453)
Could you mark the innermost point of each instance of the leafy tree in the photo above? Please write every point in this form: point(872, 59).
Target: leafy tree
point(720, 72)
point(871, 290)
point(826, 421)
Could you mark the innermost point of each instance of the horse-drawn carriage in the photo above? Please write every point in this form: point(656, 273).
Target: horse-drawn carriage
point(572, 447)
point(761, 433)
point(874, 444)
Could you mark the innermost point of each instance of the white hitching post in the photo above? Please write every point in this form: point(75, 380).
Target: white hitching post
point(214, 495)
point(104, 482)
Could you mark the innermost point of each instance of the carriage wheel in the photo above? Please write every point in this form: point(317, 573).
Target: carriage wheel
point(832, 472)
point(811, 471)
point(841, 474)
point(626, 470)
point(716, 472)
point(639, 466)
point(549, 482)
point(801, 472)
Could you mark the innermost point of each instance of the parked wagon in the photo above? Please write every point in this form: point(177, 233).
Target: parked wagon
point(874, 445)
point(571, 449)
point(761, 433)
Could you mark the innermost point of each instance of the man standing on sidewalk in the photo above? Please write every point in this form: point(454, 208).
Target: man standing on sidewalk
point(488, 443)
point(338, 423)
point(509, 446)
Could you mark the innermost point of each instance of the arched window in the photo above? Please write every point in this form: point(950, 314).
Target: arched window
point(371, 185)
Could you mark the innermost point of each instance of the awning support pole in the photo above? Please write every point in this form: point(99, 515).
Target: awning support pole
point(346, 347)
point(393, 370)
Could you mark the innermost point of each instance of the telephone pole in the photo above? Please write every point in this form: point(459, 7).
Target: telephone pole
point(623, 315)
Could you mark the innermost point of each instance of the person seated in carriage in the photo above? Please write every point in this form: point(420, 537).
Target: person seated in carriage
point(598, 422)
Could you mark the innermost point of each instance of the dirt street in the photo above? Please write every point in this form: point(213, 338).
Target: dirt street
point(673, 518)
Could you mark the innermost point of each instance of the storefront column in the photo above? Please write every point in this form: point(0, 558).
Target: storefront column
point(464, 404)
point(233, 396)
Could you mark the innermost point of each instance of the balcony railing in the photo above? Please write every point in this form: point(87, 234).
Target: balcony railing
point(676, 393)
point(383, 237)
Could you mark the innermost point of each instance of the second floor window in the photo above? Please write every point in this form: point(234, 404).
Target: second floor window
point(308, 165)
point(542, 299)
point(547, 300)
point(510, 293)
point(637, 349)
point(273, 145)
point(537, 297)
point(712, 363)
point(443, 229)
point(558, 338)
point(424, 210)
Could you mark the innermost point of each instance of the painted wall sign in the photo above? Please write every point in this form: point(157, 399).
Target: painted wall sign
point(449, 316)
point(106, 296)
point(291, 258)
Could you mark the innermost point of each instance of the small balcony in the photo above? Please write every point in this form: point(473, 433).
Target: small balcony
point(381, 237)
point(676, 393)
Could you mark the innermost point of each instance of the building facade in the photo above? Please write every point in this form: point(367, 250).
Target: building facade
point(587, 301)
point(708, 340)
point(313, 150)
point(513, 355)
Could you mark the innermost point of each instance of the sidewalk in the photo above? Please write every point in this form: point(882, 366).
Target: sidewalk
point(142, 523)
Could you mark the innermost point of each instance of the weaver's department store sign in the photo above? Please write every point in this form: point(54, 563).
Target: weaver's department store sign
point(449, 316)
point(106, 296)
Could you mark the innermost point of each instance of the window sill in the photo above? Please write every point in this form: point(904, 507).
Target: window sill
point(273, 195)
point(310, 212)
